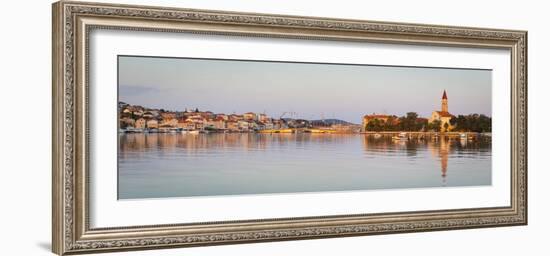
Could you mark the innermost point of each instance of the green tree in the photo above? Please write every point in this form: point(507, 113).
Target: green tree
point(472, 123)
point(421, 124)
point(390, 124)
point(434, 126)
point(409, 122)
point(375, 125)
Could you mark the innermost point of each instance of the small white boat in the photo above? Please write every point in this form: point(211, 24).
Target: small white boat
point(194, 132)
point(401, 137)
point(377, 136)
point(463, 136)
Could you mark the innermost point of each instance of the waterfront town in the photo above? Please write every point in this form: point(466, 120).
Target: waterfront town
point(139, 119)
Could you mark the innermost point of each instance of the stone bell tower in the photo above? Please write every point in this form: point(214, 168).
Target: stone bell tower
point(444, 104)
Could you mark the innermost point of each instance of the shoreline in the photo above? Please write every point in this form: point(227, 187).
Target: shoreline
point(312, 131)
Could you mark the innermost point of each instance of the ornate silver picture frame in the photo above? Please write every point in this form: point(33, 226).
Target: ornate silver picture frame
point(74, 21)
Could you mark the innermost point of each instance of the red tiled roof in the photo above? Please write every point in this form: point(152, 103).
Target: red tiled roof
point(376, 116)
point(444, 114)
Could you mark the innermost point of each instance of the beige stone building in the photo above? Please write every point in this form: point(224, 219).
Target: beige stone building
point(140, 123)
point(153, 124)
point(186, 124)
point(250, 116)
point(232, 125)
point(168, 115)
point(219, 122)
point(170, 122)
point(263, 118)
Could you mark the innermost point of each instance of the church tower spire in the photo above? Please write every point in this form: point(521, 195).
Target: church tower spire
point(444, 104)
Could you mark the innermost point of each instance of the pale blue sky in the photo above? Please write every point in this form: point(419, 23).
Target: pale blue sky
point(311, 90)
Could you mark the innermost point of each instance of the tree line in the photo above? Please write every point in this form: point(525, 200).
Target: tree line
point(412, 122)
point(472, 123)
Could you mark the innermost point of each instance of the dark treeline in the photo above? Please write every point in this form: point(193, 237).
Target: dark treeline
point(409, 122)
point(471, 123)
point(412, 122)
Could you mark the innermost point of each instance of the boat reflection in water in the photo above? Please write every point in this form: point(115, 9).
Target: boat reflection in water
point(181, 165)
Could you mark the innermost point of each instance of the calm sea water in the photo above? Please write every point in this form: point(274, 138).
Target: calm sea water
point(177, 165)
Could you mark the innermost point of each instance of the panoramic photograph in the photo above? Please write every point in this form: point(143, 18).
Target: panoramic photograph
point(192, 127)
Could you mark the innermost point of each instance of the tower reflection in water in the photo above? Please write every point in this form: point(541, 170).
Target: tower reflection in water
point(440, 148)
point(443, 153)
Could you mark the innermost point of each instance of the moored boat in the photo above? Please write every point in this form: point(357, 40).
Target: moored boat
point(402, 136)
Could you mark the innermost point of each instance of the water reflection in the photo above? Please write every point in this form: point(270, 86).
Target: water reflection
point(163, 165)
point(439, 147)
point(246, 141)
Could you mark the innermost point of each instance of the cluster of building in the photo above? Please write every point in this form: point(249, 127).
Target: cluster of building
point(443, 117)
point(137, 118)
